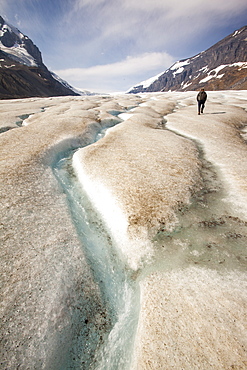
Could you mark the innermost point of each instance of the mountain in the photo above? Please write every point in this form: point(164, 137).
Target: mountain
point(221, 67)
point(22, 71)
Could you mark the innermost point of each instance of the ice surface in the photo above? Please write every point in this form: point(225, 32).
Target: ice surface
point(119, 291)
point(169, 190)
point(228, 153)
point(143, 200)
point(192, 318)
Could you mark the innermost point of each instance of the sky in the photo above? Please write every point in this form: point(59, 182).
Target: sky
point(111, 45)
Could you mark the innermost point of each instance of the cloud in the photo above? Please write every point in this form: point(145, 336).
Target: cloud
point(185, 8)
point(117, 76)
point(124, 17)
point(144, 25)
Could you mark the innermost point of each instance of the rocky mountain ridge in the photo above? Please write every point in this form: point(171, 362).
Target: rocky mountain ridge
point(22, 71)
point(221, 67)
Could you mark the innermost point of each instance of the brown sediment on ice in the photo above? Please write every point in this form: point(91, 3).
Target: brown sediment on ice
point(145, 173)
point(190, 317)
point(193, 318)
point(42, 264)
point(45, 275)
point(218, 132)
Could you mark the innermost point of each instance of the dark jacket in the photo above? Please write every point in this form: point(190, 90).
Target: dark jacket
point(202, 96)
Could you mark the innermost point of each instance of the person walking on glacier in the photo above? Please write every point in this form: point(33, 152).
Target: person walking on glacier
point(201, 99)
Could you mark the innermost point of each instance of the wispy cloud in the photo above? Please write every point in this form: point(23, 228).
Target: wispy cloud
point(136, 27)
point(125, 18)
point(117, 76)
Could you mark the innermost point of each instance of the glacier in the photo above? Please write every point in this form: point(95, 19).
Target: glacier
point(18, 50)
point(123, 232)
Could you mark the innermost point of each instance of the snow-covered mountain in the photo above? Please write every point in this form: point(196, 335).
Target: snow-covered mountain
point(22, 71)
point(221, 67)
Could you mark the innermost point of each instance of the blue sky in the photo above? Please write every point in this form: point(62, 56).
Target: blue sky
point(111, 45)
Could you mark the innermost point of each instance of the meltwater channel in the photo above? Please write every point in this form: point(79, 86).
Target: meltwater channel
point(119, 292)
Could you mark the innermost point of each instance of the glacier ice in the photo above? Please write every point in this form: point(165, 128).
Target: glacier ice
point(174, 291)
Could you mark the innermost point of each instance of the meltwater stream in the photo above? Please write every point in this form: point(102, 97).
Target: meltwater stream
point(111, 347)
point(208, 235)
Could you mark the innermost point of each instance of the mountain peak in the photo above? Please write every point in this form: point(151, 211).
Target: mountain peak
point(19, 47)
point(221, 67)
point(22, 72)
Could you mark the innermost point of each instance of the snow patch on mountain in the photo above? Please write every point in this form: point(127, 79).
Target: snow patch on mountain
point(148, 82)
point(66, 84)
point(187, 84)
point(9, 28)
point(214, 72)
point(178, 67)
point(19, 54)
point(13, 42)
